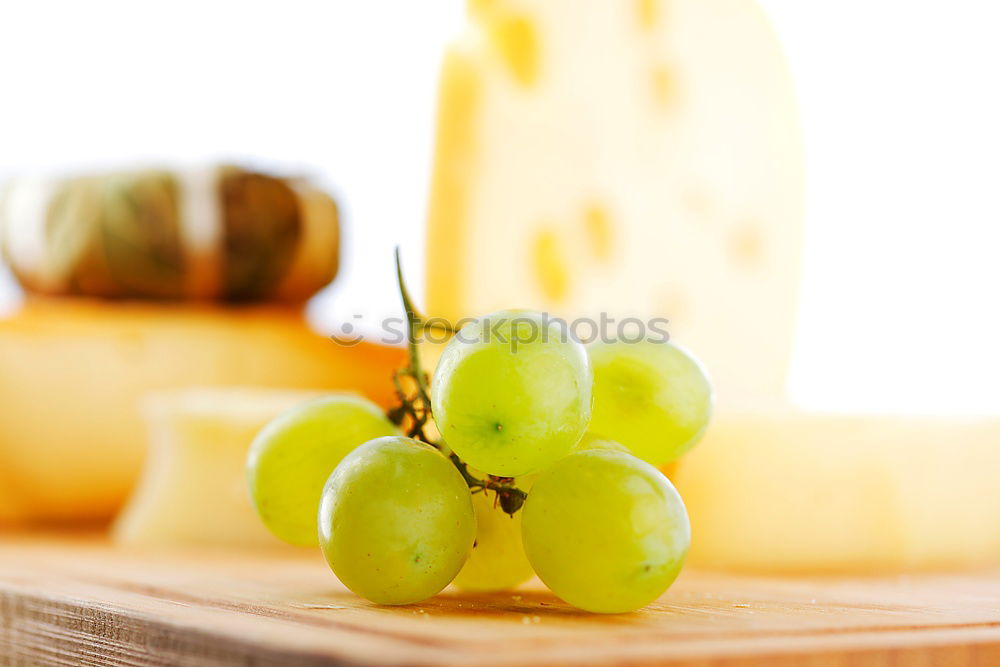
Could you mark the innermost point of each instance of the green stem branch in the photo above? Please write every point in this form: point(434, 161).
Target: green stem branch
point(418, 408)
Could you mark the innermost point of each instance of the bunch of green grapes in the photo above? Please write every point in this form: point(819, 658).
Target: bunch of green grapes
point(544, 465)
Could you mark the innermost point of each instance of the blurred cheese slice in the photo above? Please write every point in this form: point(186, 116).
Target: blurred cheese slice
point(837, 493)
point(636, 157)
point(73, 371)
point(193, 487)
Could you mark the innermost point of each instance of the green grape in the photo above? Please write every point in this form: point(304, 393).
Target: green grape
point(396, 522)
point(654, 398)
point(605, 531)
point(497, 561)
point(292, 457)
point(512, 393)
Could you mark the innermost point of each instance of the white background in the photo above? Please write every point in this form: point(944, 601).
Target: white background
point(899, 102)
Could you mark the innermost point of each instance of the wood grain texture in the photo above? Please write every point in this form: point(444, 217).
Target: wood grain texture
point(79, 601)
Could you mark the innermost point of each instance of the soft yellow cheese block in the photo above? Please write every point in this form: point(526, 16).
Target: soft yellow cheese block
point(193, 488)
point(643, 158)
point(640, 158)
point(73, 372)
point(837, 493)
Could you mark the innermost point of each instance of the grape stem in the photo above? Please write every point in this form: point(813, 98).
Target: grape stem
point(415, 408)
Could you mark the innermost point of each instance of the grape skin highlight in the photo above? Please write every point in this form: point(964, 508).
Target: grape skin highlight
point(654, 398)
point(292, 457)
point(396, 522)
point(606, 532)
point(506, 399)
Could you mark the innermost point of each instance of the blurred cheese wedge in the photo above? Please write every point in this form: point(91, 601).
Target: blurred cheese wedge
point(73, 371)
point(193, 488)
point(636, 157)
point(836, 493)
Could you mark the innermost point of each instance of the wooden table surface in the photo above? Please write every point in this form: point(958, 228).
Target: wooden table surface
point(76, 600)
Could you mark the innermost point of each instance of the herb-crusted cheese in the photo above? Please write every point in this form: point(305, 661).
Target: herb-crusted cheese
point(222, 233)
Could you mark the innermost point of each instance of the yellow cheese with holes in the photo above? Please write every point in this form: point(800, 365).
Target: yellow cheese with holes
point(73, 373)
point(842, 493)
point(193, 488)
point(640, 158)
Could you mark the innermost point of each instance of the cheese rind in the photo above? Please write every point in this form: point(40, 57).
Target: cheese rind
point(640, 159)
point(843, 493)
point(73, 373)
